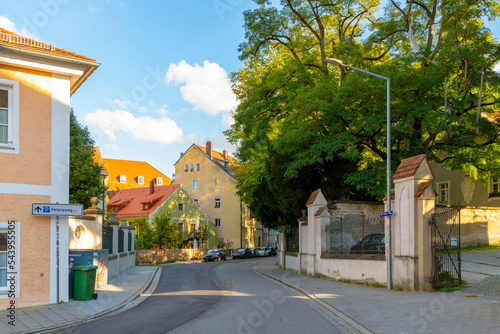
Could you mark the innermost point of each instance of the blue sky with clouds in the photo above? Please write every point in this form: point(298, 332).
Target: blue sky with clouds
point(163, 81)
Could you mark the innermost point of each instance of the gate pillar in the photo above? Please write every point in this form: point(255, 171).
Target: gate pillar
point(414, 201)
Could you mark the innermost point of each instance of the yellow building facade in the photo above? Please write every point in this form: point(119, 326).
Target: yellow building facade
point(36, 82)
point(208, 176)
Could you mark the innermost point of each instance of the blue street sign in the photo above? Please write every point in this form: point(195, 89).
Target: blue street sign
point(387, 213)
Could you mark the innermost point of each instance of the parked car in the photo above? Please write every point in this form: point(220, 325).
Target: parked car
point(255, 251)
point(263, 251)
point(242, 253)
point(215, 255)
point(372, 244)
point(272, 251)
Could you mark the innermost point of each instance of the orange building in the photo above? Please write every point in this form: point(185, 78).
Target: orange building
point(36, 83)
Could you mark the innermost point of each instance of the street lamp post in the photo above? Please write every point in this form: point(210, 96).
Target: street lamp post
point(104, 174)
point(389, 243)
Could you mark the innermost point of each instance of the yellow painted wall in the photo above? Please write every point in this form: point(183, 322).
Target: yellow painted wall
point(34, 250)
point(234, 223)
point(32, 164)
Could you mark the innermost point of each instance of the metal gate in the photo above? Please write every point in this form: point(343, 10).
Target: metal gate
point(447, 269)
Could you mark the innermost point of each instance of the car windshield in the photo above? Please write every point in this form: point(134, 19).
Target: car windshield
point(213, 251)
point(240, 250)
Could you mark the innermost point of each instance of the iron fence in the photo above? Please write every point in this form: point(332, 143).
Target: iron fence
point(357, 236)
point(121, 236)
point(107, 239)
point(129, 241)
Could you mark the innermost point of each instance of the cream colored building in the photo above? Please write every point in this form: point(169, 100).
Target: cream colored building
point(208, 176)
point(36, 82)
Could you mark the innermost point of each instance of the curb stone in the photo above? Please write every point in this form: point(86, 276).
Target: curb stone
point(150, 285)
point(321, 305)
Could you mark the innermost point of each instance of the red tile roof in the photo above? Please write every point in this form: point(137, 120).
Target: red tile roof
point(422, 188)
point(219, 158)
point(393, 195)
point(320, 210)
point(12, 39)
point(409, 166)
point(131, 202)
point(313, 196)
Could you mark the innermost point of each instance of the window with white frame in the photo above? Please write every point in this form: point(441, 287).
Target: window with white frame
point(140, 180)
point(159, 181)
point(217, 222)
point(444, 192)
point(9, 259)
point(198, 167)
point(217, 203)
point(192, 167)
point(195, 184)
point(123, 178)
point(186, 168)
point(495, 184)
point(9, 115)
point(217, 183)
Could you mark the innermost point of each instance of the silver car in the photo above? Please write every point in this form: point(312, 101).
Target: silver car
point(263, 251)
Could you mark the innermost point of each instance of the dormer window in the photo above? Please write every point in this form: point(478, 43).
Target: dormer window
point(159, 181)
point(123, 178)
point(140, 180)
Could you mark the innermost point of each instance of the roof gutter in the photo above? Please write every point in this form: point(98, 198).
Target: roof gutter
point(91, 65)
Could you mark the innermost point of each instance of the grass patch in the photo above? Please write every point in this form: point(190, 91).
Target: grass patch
point(481, 247)
point(462, 285)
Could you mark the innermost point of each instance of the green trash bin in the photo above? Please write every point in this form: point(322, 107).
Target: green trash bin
point(84, 282)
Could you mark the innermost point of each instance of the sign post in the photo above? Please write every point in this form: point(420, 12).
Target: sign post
point(56, 210)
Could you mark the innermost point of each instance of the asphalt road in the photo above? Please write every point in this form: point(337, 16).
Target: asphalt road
point(220, 297)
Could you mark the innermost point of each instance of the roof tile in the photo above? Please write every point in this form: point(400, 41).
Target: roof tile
point(408, 167)
point(313, 196)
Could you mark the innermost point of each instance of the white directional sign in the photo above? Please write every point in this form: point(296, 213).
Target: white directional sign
point(51, 209)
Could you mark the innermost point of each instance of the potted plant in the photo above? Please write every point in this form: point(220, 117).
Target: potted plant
point(494, 194)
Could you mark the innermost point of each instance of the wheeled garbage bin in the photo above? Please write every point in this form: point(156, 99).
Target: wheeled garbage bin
point(84, 282)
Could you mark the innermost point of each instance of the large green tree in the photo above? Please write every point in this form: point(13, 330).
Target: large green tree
point(166, 233)
point(303, 122)
point(85, 180)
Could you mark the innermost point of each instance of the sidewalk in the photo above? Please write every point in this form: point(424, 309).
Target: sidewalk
point(379, 310)
point(122, 292)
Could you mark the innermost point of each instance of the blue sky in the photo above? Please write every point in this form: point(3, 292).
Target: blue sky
point(163, 81)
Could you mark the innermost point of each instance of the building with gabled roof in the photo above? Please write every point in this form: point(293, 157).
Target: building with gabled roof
point(126, 174)
point(36, 82)
point(151, 201)
point(208, 175)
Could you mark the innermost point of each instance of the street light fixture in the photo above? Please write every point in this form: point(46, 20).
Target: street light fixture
point(104, 175)
point(339, 62)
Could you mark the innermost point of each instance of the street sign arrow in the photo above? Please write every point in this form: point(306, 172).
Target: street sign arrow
point(38, 209)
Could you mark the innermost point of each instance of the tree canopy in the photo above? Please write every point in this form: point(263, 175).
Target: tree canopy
point(303, 123)
point(85, 179)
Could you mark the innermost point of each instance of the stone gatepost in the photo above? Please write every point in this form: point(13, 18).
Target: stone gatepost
point(114, 224)
point(131, 230)
point(414, 201)
point(94, 211)
point(317, 202)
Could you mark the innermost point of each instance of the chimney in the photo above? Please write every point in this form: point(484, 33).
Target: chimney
point(224, 154)
point(209, 149)
point(151, 187)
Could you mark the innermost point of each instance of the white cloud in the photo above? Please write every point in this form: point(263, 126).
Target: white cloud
point(158, 130)
point(206, 87)
point(121, 103)
point(94, 9)
point(9, 25)
point(227, 119)
point(497, 68)
point(163, 110)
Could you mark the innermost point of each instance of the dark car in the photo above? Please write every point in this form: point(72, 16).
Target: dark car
point(242, 253)
point(272, 251)
point(255, 251)
point(372, 244)
point(215, 255)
